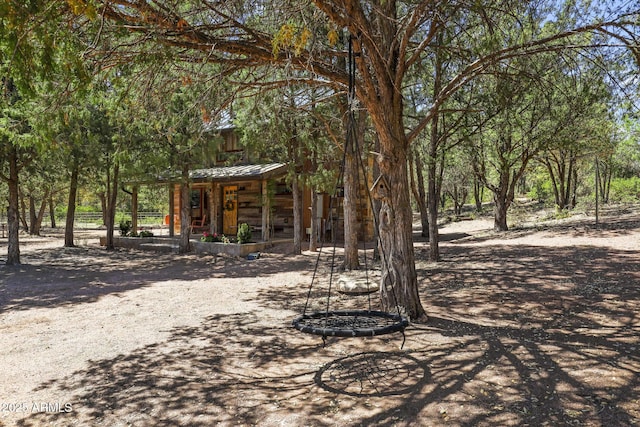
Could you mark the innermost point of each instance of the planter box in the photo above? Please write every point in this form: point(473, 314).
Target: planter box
point(161, 244)
point(232, 249)
point(165, 244)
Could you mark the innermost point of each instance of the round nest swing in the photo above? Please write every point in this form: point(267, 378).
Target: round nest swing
point(349, 323)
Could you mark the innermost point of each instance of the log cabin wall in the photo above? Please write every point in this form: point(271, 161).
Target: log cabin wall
point(250, 207)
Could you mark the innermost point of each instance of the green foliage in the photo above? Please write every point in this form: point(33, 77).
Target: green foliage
point(625, 189)
point(627, 155)
point(125, 227)
point(561, 213)
point(290, 125)
point(211, 237)
point(541, 188)
point(244, 233)
point(145, 233)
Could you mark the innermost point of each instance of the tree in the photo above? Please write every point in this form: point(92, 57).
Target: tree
point(284, 123)
point(177, 129)
point(390, 38)
point(580, 101)
point(35, 41)
point(17, 149)
point(511, 140)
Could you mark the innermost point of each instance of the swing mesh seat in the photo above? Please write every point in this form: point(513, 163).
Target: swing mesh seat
point(350, 323)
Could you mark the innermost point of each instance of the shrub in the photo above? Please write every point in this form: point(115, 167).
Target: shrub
point(125, 227)
point(244, 233)
point(211, 237)
point(146, 233)
point(626, 190)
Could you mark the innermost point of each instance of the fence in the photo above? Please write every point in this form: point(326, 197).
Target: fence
point(94, 219)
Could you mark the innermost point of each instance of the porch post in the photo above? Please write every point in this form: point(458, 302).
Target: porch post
point(134, 209)
point(266, 212)
point(215, 211)
point(211, 212)
point(172, 206)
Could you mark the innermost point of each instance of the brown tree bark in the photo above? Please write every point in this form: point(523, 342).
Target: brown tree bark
point(71, 205)
point(433, 192)
point(36, 225)
point(13, 221)
point(103, 205)
point(134, 209)
point(111, 197)
point(503, 196)
point(23, 211)
point(52, 212)
point(314, 225)
point(297, 216)
point(416, 180)
point(399, 289)
point(184, 244)
point(32, 215)
point(477, 193)
point(399, 282)
point(350, 207)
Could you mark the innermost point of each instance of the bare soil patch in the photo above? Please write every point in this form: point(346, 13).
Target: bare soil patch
point(538, 326)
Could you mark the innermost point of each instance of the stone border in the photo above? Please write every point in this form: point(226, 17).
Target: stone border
point(167, 244)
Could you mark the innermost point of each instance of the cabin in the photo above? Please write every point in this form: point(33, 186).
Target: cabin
point(223, 197)
point(238, 188)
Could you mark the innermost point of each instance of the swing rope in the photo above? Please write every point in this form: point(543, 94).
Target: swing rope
point(352, 322)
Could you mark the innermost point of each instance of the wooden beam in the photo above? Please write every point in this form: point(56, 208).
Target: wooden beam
point(266, 210)
point(172, 206)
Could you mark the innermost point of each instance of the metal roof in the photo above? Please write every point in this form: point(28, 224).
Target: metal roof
point(238, 172)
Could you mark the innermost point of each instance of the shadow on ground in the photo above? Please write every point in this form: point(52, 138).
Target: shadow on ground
point(64, 276)
point(517, 336)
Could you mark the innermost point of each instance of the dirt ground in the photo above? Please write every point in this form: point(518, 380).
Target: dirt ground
point(539, 326)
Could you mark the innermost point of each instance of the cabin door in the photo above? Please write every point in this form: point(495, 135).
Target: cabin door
point(230, 210)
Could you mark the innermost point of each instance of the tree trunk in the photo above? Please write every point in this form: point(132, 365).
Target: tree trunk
point(32, 215)
point(71, 206)
point(314, 225)
point(13, 220)
point(420, 194)
point(350, 207)
point(477, 193)
point(184, 244)
point(23, 212)
point(399, 283)
point(574, 188)
point(52, 211)
point(37, 224)
point(433, 187)
point(134, 209)
point(297, 216)
point(432, 204)
point(500, 214)
point(607, 186)
point(554, 182)
point(433, 192)
point(111, 200)
point(103, 205)
point(503, 197)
